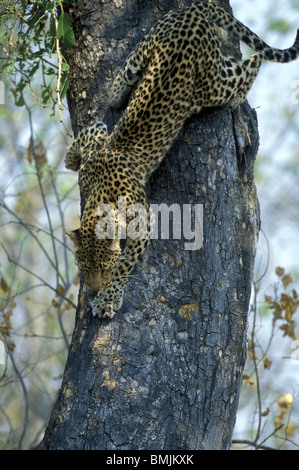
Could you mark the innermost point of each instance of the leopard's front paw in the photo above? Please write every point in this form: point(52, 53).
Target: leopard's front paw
point(106, 303)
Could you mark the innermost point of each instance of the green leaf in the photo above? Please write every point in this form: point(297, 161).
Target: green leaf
point(34, 68)
point(65, 67)
point(49, 71)
point(64, 87)
point(68, 33)
point(36, 41)
point(22, 36)
point(59, 32)
point(65, 31)
point(46, 95)
point(40, 53)
point(52, 28)
point(19, 98)
point(31, 22)
point(49, 41)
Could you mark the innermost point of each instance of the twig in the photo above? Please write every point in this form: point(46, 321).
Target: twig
point(37, 277)
point(252, 444)
point(33, 227)
point(44, 198)
point(59, 316)
point(27, 78)
point(26, 406)
point(63, 228)
point(28, 228)
point(270, 435)
point(60, 106)
point(258, 391)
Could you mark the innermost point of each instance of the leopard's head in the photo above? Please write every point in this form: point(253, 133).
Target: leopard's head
point(95, 258)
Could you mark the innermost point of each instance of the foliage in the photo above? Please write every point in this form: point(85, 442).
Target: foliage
point(275, 403)
point(38, 278)
point(33, 32)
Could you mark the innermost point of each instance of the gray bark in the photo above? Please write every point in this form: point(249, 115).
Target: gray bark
point(165, 372)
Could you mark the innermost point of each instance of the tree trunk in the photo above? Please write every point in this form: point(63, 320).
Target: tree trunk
point(165, 372)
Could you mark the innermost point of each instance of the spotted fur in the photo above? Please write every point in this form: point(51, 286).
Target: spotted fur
point(177, 69)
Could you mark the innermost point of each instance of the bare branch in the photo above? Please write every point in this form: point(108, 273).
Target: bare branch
point(37, 277)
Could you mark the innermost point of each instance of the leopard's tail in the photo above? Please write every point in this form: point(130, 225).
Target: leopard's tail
point(238, 29)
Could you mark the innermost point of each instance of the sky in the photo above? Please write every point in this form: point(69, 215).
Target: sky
point(274, 98)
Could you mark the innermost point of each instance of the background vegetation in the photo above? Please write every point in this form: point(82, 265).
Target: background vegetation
point(39, 201)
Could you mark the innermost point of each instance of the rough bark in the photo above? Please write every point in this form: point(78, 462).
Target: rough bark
point(165, 372)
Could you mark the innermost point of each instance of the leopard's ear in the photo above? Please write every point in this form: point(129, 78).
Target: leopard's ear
point(115, 245)
point(74, 235)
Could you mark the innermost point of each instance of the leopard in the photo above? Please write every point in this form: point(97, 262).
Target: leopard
point(177, 70)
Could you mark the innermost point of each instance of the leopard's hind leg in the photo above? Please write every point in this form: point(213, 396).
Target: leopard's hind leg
point(129, 75)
